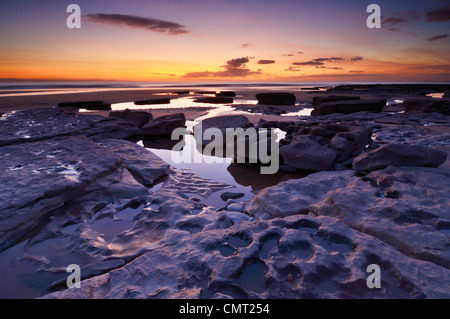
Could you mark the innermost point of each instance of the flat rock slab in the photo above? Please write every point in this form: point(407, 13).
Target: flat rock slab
point(145, 166)
point(405, 207)
point(215, 100)
point(427, 106)
point(221, 123)
point(164, 125)
point(266, 109)
point(39, 124)
point(224, 122)
point(294, 196)
point(226, 93)
point(351, 106)
point(276, 98)
point(88, 105)
point(305, 153)
point(399, 155)
point(153, 101)
point(231, 195)
point(318, 100)
point(38, 178)
point(138, 118)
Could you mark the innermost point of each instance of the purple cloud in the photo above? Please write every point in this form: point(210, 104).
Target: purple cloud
point(150, 24)
point(293, 69)
point(439, 15)
point(312, 62)
point(321, 61)
point(232, 68)
point(266, 61)
point(236, 63)
point(437, 37)
point(399, 18)
point(356, 58)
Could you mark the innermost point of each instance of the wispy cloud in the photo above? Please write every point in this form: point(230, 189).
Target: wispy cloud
point(308, 63)
point(266, 61)
point(356, 58)
point(437, 37)
point(131, 21)
point(293, 69)
point(439, 15)
point(332, 59)
point(159, 73)
point(392, 21)
point(233, 68)
point(293, 53)
point(245, 45)
point(321, 61)
point(398, 19)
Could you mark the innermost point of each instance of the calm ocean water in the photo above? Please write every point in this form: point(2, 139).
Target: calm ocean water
point(41, 85)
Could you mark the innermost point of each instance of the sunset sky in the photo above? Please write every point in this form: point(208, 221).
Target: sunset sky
point(225, 40)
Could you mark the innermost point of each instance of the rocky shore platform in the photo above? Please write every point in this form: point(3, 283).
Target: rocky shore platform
point(77, 189)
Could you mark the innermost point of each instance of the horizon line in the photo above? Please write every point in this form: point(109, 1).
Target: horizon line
point(18, 80)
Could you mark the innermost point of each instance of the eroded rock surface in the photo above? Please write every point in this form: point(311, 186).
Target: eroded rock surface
point(39, 178)
point(319, 146)
point(144, 165)
point(221, 123)
point(293, 257)
point(294, 196)
point(305, 153)
point(164, 125)
point(427, 106)
point(406, 207)
point(400, 155)
point(72, 193)
point(39, 124)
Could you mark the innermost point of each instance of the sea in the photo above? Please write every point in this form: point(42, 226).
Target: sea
point(43, 85)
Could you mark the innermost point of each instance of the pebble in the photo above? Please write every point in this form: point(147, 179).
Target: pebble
point(230, 201)
point(235, 207)
point(230, 195)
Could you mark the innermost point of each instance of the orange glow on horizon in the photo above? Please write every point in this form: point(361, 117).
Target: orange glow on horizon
point(215, 44)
